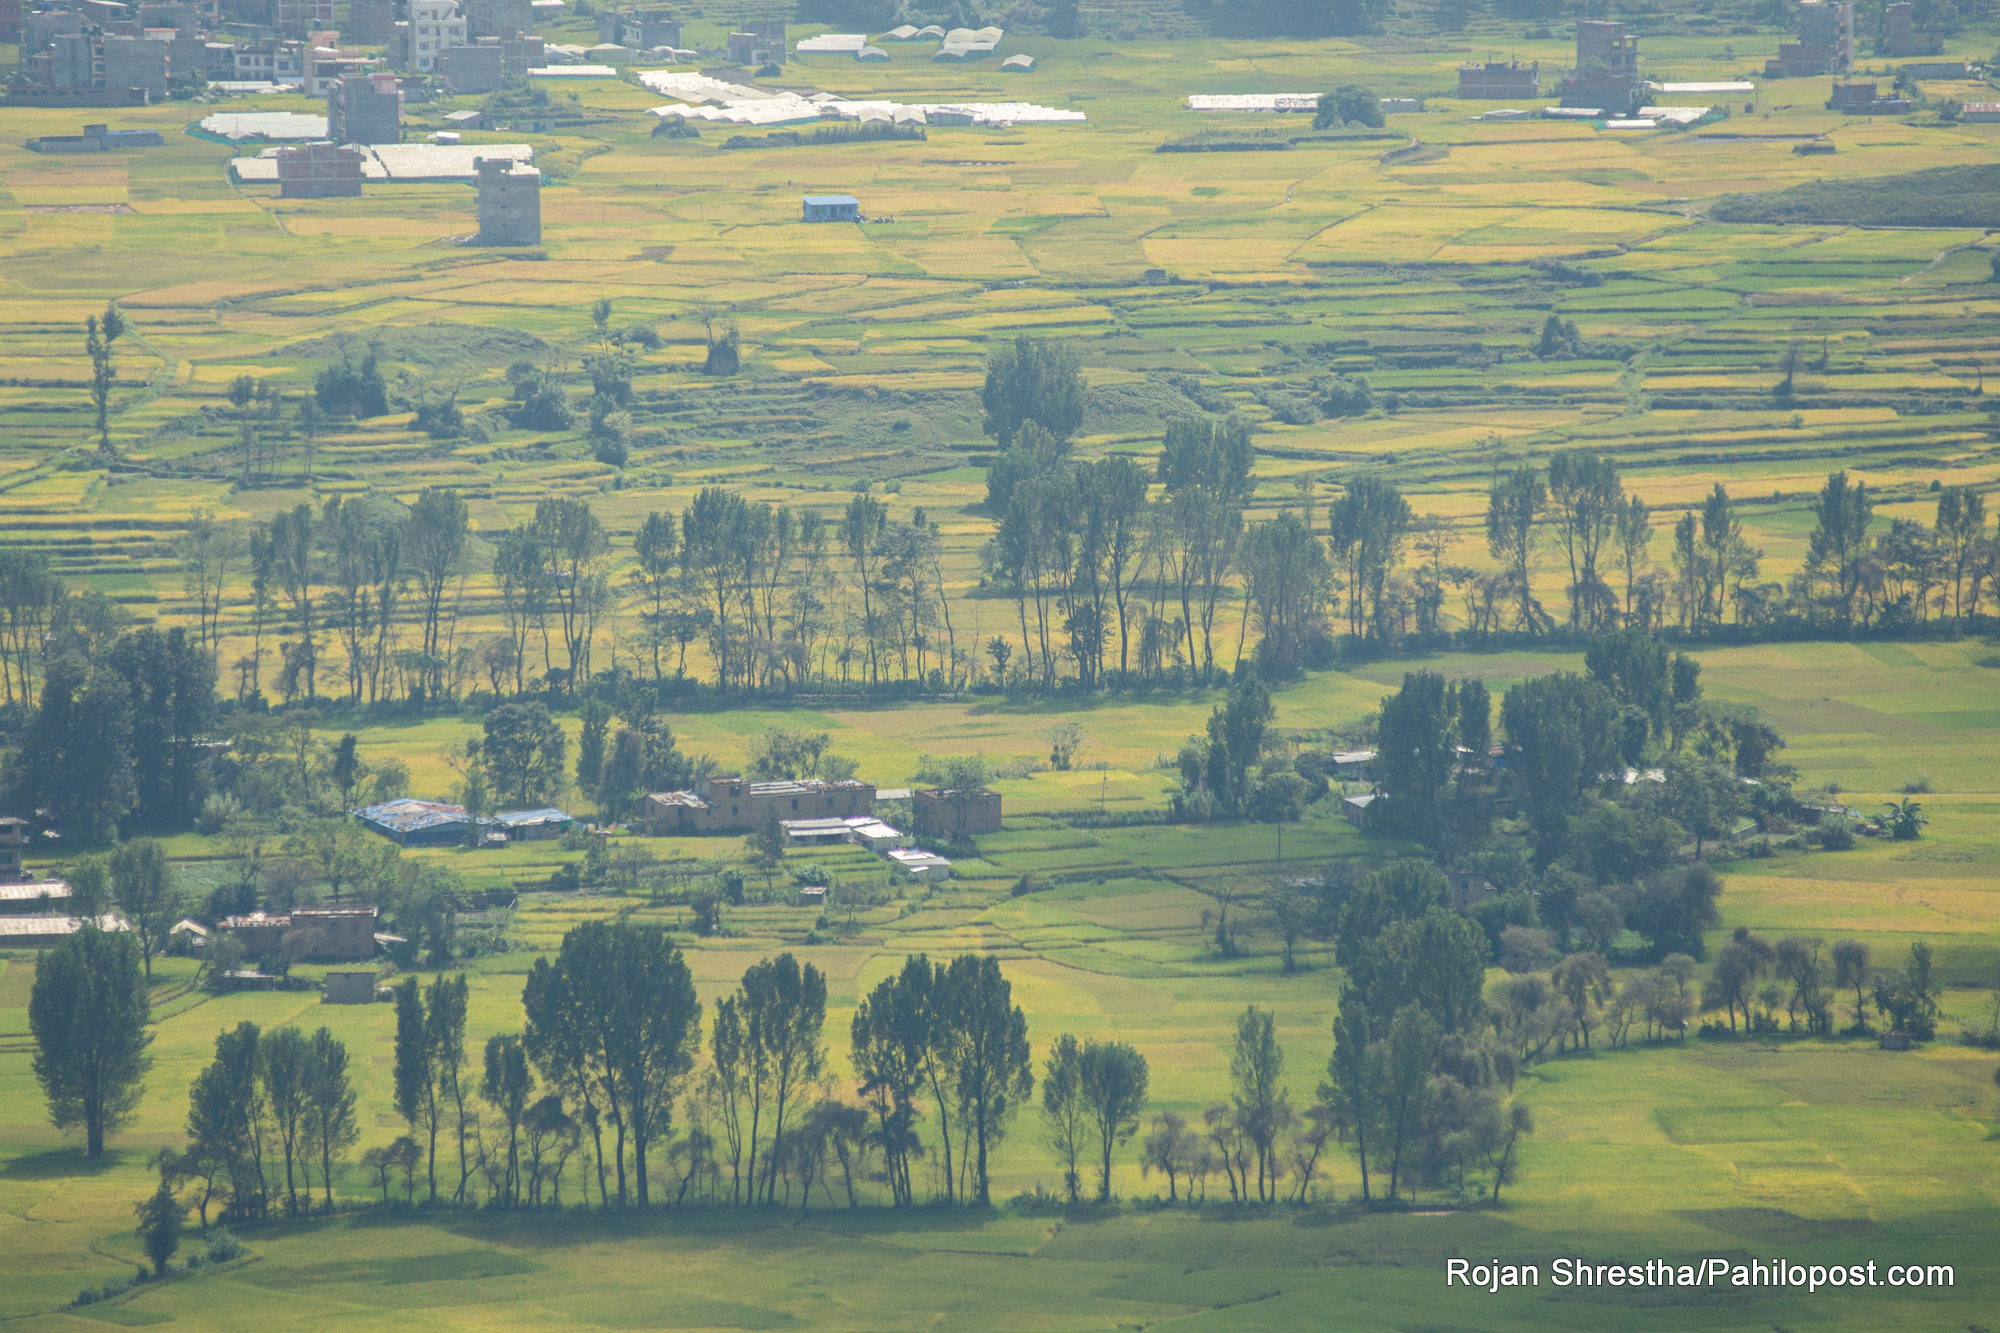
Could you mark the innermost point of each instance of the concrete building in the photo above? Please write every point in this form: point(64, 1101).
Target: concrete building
point(732, 804)
point(271, 61)
point(644, 29)
point(498, 18)
point(520, 54)
point(1900, 39)
point(346, 987)
point(510, 202)
point(472, 69)
point(435, 26)
point(371, 23)
point(1359, 811)
point(319, 171)
point(14, 829)
point(1981, 112)
point(364, 109)
point(94, 139)
point(1468, 889)
point(335, 933)
point(761, 43)
point(831, 208)
point(1499, 81)
point(296, 18)
point(941, 812)
point(1825, 45)
point(1606, 76)
point(38, 30)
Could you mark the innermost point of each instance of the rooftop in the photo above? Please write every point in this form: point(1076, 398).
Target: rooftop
point(18, 927)
point(30, 890)
point(408, 815)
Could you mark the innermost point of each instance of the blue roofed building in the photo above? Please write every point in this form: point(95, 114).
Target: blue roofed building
point(414, 823)
point(832, 208)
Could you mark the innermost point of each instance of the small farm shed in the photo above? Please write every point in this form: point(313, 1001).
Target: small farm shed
point(832, 208)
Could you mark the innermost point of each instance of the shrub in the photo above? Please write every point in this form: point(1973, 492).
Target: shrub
point(223, 1246)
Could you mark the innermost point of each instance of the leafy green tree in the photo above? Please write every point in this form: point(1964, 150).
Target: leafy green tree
point(1349, 104)
point(162, 1218)
point(1063, 1111)
point(1257, 1092)
point(1513, 519)
point(1415, 755)
point(88, 1011)
point(1406, 1088)
point(621, 780)
point(784, 1021)
point(1838, 550)
point(1672, 910)
point(283, 1058)
point(507, 1086)
point(142, 884)
point(1112, 1090)
point(614, 1016)
point(226, 1118)
point(99, 335)
point(892, 1059)
point(1236, 741)
point(417, 1099)
point(523, 752)
point(1353, 1089)
point(1036, 380)
point(1561, 730)
point(80, 736)
point(1851, 971)
point(994, 1075)
point(1437, 962)
point(329, 1105)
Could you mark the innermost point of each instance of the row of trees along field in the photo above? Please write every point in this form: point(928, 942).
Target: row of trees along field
point(1116, 572)
point(606, 1085)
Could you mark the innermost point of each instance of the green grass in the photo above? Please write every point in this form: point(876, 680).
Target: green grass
point(1819, 1150)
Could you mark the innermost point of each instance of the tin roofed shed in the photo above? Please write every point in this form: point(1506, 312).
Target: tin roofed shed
point(832, 208)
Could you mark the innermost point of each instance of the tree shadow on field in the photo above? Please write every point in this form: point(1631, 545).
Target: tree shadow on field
point(56, 1163)
point(550, 1230)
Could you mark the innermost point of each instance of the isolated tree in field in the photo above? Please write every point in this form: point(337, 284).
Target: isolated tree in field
point(331, 1127)
point(994, 1075)
point(1112, 1089)
point(1513, 517)
point(614, 1019)
point(142, 884)
point(1349, 104)
point(88, 1012)
point(1038, 380)
point(1851, 971)
point(507, 1085)
point(1257, 1091)
point(892, 1059)
point(1353, 1087)
point(225, 1120)
point(1585, 496)
point(99, 335)
point(283, 1055)
point(784, 1018)
point(1173, 1148)
point(1063, 1110)
point(161, 1219)
point(1839, 546)
point(434, 545)
point(417, 1099)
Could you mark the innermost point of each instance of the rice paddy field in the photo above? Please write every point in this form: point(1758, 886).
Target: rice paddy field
point(1410, 257)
